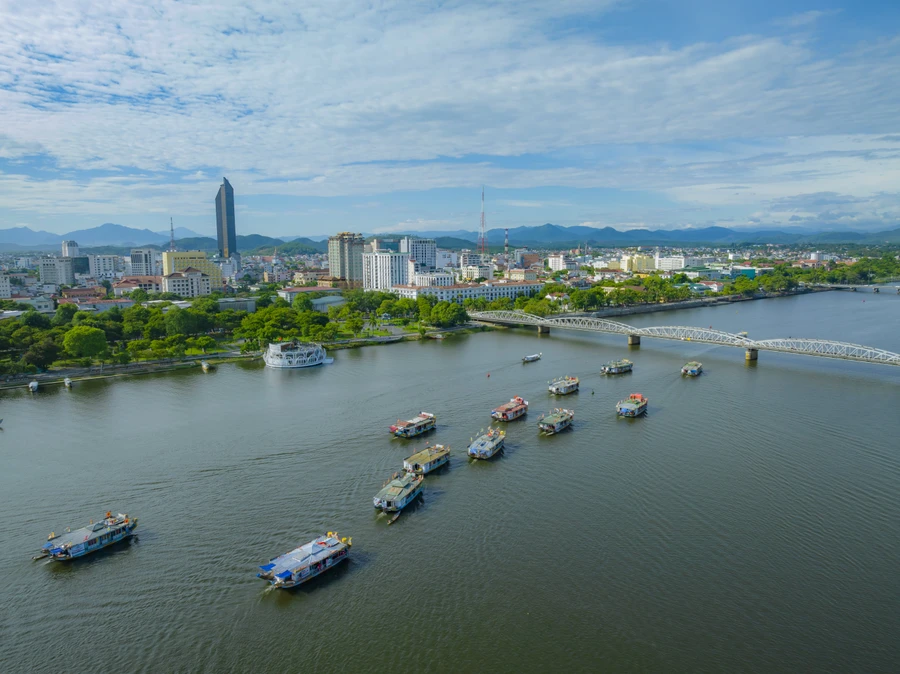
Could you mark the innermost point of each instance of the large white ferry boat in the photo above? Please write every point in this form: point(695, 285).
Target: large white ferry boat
point(295, 354)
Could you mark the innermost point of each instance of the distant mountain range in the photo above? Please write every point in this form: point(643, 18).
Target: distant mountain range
point(110, 235)
point(555, 235)
point(107, 234)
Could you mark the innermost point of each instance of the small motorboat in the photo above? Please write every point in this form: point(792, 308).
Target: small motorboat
point(533, 357)
point(67, 382)
point(33, 386)
point(205, 366)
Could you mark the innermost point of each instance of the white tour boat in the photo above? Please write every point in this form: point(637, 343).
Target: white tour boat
point(295, 354)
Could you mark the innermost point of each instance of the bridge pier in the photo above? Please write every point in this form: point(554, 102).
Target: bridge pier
point(751, 354)
point(634, 340)
point(543, 330)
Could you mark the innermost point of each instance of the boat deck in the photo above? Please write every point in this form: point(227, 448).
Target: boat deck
point(84, 533)
point(308, 554)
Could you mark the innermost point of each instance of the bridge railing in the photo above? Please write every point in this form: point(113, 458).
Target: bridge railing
point(809, 347)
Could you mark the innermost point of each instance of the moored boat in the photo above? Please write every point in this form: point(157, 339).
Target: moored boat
point(67, 382)
point(558, 420)
point(533, 357)
point(33, 386)
point(633, 406)
point(692, 369)
point(73, 544)
point(413, 427)
point(487, 444)
point(564, 385)
point(295, 354)
point(427, 460)
point(398, 492)
point(514, 409)
point(307, 561)
point(617, 366)
point(205, 366)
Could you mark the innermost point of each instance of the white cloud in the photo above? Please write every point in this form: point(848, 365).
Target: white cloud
point(336, 99)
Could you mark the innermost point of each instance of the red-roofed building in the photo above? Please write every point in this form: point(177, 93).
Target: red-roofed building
point(152, 284)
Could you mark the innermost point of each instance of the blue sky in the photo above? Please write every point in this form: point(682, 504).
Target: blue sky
point(384, 116)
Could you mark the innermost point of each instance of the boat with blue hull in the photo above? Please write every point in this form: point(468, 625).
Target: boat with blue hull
point(74, 544)
point(307, 561)
point(692, 369)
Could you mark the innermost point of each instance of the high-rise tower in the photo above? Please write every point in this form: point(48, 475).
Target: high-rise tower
point(225, 220)
point(483, 239)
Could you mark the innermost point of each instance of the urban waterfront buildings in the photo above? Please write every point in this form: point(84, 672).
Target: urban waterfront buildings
point(384, 269)
point(225, 231)
point(175, 261)
point(345, 258)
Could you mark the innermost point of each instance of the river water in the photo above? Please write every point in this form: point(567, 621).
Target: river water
point(750, 523)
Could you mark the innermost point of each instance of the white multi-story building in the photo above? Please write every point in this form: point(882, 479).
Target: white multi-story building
point(445, 258)
point(423, 251)
point(145, 262)
point(676, 262)
point(69, 249)
point(5, 287)
point(469, 259)
point(561, 263)
point(103, 266)
point(57, 271)
point(435, 278)
point(188, 283)
point(383, 270)
point(474, 271)
point(490, 290)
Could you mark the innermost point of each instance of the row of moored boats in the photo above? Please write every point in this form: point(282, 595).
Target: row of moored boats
point(311, 559)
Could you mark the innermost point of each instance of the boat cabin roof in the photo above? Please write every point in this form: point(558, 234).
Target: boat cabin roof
point(428, 454)
point(91, 531)
point(399, 485)
point(307, 554)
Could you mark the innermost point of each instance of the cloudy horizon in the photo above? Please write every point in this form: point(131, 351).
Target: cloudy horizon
point(389, 116)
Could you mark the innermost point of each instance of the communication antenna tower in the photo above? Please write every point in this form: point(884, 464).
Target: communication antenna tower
point(483, 250)
point(171, 235)
point(506, 243)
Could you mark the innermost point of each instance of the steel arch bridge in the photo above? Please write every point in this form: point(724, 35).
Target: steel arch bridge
point(809, 347)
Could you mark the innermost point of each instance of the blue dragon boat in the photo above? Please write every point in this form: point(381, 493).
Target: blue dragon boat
point(306, 562)
point(95, 536)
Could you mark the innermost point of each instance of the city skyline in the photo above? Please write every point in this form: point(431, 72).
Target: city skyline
point(611, 113)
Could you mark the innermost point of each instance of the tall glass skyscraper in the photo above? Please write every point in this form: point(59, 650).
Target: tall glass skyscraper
point(225, 220)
